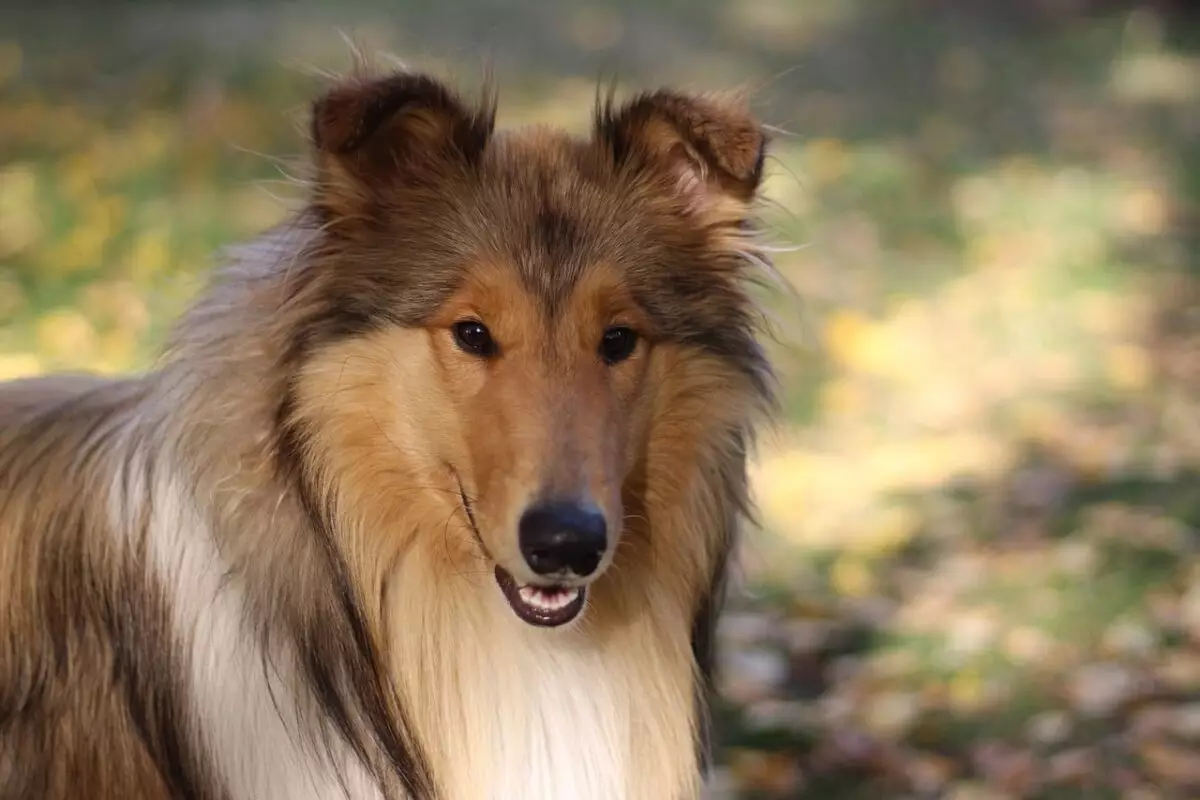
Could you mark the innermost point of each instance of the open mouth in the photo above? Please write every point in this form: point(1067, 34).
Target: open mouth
point(544, 606)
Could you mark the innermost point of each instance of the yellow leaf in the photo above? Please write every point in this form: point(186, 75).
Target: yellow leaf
point(150, 255)
point(77, 176)
point(18, 365)
point(858, 344)
point(1027, 645)
point(83, 248)
point(966, 691)
point(827, 160)
point(66, 335)
point(12, 299)
point(255, 210)
point(1038, 421)
point(1101, 313)
point(843, 398)
point(22, 224)
point(1128, 367)
point(851, 577)
point(1144, 211)
point(887, 531)
point(117, 348)
point(779, 488)
point(115, 303)
point(151, 135)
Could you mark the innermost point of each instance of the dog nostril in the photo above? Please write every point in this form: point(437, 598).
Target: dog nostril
point(586, 563)
point(563, 537)
point(543, 561)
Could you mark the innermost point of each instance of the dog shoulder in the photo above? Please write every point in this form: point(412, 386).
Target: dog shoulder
point(85, 661)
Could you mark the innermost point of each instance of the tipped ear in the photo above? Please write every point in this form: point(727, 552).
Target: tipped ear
point(375, 134)
point(714, 148)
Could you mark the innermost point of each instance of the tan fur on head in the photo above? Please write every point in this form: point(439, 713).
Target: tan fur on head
point(355, 476)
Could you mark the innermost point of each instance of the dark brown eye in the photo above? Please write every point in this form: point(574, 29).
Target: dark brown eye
point(472, 337)
point(618, 344)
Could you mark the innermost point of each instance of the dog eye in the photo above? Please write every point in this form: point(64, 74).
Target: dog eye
point(618, 344)
point(472, 337)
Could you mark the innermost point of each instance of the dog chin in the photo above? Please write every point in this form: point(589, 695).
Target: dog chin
point(541, 606)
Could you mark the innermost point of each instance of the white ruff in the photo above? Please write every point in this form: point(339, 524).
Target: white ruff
point(257, 747)
point(524, 712)
point(538, 715)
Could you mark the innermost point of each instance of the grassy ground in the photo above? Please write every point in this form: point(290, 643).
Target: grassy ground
point(977, 574)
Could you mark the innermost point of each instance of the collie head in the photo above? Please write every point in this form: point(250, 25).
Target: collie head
point(526, 359)
point(477, 416)
point(513, 350)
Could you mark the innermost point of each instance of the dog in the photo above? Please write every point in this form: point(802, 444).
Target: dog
point(433, 490)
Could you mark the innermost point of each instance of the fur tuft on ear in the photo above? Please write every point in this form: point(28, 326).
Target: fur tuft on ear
point(373, 135)
point(708, 145)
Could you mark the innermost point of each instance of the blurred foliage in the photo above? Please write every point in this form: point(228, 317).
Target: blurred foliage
point(977, 574)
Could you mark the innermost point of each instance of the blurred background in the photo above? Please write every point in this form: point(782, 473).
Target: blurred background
point(976, 575)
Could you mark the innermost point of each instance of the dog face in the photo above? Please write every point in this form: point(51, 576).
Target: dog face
point(501, 333)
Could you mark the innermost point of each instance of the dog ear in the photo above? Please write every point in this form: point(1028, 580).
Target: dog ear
point(713, 148)
point(379, 134)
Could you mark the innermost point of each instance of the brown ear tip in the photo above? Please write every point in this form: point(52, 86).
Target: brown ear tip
point(720, 128)
point(760, 160)
point(762, 143)
point(348, 114)
point(333, 118)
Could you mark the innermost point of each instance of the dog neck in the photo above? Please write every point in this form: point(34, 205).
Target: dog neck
point(599, 710)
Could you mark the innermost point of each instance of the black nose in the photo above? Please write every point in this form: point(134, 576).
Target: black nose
point(563, 536)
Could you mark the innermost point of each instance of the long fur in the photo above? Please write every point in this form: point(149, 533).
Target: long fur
point(265, 569)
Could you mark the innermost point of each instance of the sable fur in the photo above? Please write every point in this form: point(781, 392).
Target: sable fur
point(264, 569)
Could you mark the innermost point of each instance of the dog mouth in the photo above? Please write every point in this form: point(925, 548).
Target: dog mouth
point(543, 606)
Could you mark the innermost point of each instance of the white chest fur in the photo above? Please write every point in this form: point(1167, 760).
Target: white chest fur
point(242, 721)
point(537, 715)
point(602, 710)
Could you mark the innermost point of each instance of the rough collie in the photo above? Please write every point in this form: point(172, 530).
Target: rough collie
point(432, 492)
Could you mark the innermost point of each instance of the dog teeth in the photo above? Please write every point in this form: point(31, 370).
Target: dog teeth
point(548, 599)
